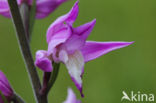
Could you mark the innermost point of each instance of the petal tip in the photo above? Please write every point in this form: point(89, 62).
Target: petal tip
point(82, 95)
point(77, 2)
point(79, 86)
point(94, 20)
point(129, 43)
point(132, 42)
point(76, 5)
point(74, 11)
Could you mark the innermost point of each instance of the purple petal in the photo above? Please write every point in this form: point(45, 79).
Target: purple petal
point(93, 50)
point(79, 36)
point(74, 65)
point(45, 7)
point(4, 8)
point(78, 85)
point(75, 42)
point(72, 15)
point(43, 62)
point(69, 18)
point(60, 37)
point(5, 86)
point(85, 30)
point(71, 98)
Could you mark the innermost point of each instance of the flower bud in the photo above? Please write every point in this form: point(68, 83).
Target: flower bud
point(5, 87)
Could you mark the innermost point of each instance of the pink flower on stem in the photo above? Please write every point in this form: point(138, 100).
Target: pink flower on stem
point(68, 45)
point(5, 87)
point(71, 98)
point(43, 7)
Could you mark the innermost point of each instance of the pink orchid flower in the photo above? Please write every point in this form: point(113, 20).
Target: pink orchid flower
point(5, 87)
point(68, 45)
point(43, 7)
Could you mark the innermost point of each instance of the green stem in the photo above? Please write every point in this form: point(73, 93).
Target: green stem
point(25, 49)
point(53, 77)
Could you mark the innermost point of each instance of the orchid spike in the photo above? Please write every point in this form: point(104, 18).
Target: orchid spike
point(71, 98)
point(43, 7)
point(68, 45)
point(5, 87)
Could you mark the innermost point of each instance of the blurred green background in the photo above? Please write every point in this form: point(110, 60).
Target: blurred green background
point(131, 69)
